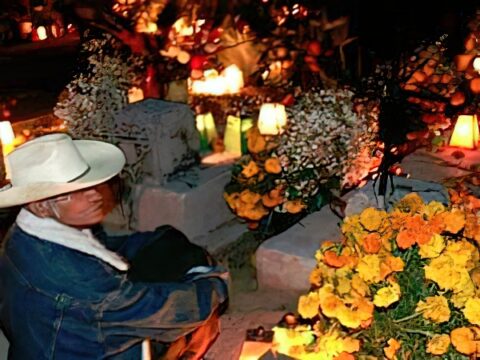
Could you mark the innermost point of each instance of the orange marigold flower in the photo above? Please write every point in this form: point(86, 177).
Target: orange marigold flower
point(405, 239)
point(472, 202)
point(372, 243)
point(254, 213)
point(344, 356)
point(294, 206)
point(251, 169)
point(273, 166)
point(463, 340)
point(232, 200)
point(455, 197)
point(472, 227)
point(437, 223)
point(273, 198)
point(392, 348)
point(332, 259)
point(250, 197)
point(255, 141)
point(454, 220)
point(389, 265)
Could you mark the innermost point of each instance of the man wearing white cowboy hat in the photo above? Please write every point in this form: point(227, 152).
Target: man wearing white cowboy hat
point(69, 293)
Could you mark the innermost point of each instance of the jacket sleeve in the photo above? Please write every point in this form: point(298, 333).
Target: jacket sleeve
point(163, 311)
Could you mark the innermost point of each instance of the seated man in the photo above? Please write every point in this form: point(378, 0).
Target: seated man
point(70, 292)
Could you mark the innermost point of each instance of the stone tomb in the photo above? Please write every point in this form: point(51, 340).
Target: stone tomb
point(161, 144)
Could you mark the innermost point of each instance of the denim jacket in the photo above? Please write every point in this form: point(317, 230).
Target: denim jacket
point(58, 303)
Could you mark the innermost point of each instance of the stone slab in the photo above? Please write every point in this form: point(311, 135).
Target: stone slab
point(428, 166)
point(193, 203)
point(286, 260)
point(218, 238)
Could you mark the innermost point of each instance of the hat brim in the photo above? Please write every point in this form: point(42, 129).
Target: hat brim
point(105, 161)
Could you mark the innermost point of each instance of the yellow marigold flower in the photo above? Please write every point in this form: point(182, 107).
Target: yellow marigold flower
point(251, 169)
point(387, 295)
point(360, 286)
point(454, 220)
point(434, 308)
point(329, 302)
point(288, 341)
point(332, 344)
point(392, 348)
point(360, 312)
point(438, 345)
point(463, 253)
point(433, 248)
point(316, 277)
point(308, 305)
point(369, 268)
point(464, 290)
point(441, 270)
point(472, 310)
point(433, 208)
point(411, 203)
point(463, 340)
point(344, 285)
point(372, 219)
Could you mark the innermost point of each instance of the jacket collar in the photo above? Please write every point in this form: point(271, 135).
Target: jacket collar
point(83, 241)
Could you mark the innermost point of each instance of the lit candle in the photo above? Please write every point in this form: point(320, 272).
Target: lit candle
point(200, 124)
point(25, 28)
point(233, 79)
point(272, 119)
point(465, 133)
point(41, 33)
point(6, 137)
point(246, 125)
point(232, 138)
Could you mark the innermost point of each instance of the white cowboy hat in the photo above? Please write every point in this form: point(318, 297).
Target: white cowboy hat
point(55, 164)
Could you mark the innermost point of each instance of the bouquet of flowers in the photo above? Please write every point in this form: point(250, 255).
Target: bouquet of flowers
point(330, 144)
point(403, 284)
point(107, 71)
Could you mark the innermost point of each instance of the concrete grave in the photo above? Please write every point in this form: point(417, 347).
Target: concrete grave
point(193, 202)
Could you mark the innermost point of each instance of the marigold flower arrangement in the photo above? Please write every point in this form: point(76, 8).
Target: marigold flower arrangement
point(402, 284)
point(330, 143)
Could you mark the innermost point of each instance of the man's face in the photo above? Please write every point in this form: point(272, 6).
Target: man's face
point(84, 207)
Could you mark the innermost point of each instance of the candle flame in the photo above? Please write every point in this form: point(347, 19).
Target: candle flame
point(230, 81)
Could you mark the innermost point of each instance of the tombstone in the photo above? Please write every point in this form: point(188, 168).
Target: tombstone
point(169, 186)
point(159, 138)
